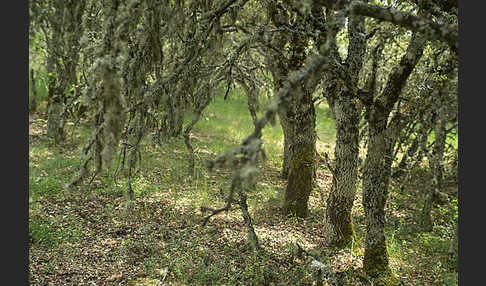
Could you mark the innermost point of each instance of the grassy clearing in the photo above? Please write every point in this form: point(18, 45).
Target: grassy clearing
point(87, 237)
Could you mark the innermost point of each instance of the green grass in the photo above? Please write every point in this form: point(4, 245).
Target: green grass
point(221, 114)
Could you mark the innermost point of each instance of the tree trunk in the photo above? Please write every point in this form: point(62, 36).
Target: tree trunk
point(377, 168)
point(302, 149)
point(175, 115)
point(287, 131)
point(297, 117)
point(63, 54)
point(33, 102)
point(345, 173)
point(375, 193)
point(341, 197)
point(55, 120)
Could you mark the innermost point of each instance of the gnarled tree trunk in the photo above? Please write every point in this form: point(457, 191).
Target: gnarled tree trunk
point(302, 149)
point(345, 172)
point(377, 168)
point(375, 194)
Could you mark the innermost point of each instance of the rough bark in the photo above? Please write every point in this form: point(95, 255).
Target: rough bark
point(432, 30)
point(375, 193)
point(302, 166)
point(376, 172)
point(345, 171)
point(343, 190)
point(55, 122)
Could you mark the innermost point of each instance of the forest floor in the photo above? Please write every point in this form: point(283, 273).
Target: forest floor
point(88, 237)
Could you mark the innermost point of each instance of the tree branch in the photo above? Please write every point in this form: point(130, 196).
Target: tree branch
point(432, 30)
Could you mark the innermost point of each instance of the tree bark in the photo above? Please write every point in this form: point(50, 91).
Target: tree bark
point(377, 168)
point(55, 121)
point(345, 172)
point(432, 30)
point(375, 193)
point(302, 149)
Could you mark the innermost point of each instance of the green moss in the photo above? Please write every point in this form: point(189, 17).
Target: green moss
point(300, 181)
point(375, 261)
point(375, 264)
point(343, 237)
point(386, 279)
point(340, 222)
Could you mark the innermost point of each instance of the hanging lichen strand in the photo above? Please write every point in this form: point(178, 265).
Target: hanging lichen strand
point(143, 57)
point(104, 92)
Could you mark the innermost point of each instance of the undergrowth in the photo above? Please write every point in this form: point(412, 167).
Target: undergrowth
point(88, 237)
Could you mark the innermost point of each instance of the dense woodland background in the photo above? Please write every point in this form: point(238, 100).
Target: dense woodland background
point(243, 142)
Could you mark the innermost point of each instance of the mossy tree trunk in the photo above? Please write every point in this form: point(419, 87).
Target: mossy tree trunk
point(55, 121)
point(345, 172)
point(377, 167)
point(375, 193)
point(297, 117)
point(302, 150)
